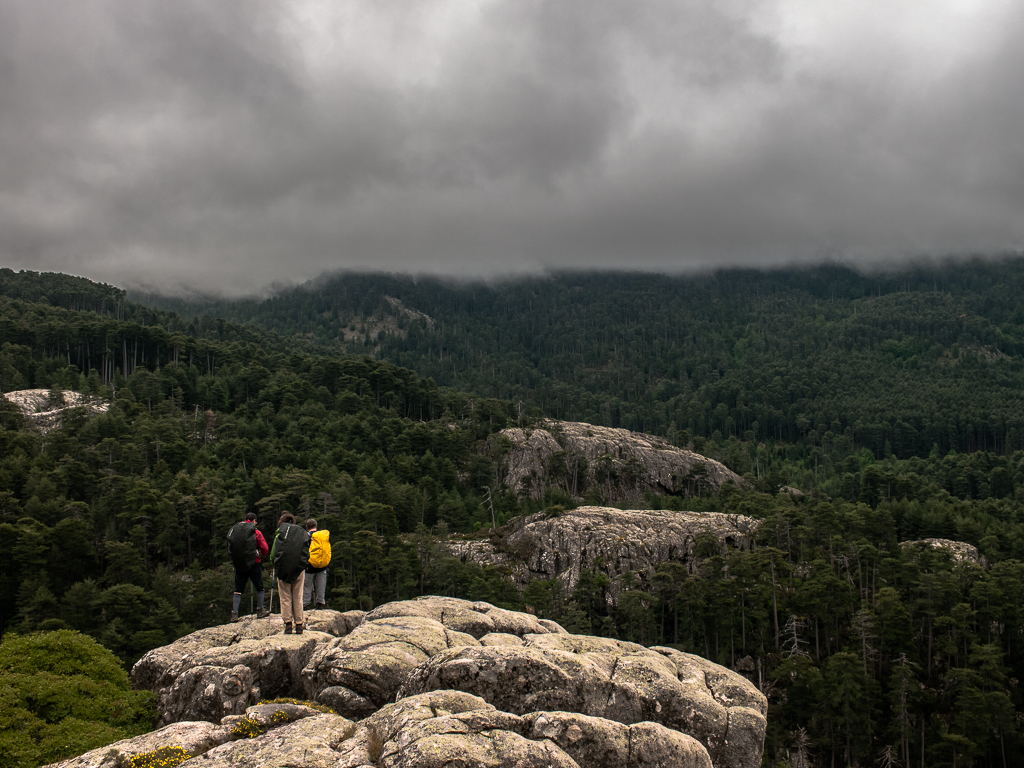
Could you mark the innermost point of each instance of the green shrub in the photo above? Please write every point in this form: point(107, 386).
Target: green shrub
point(64, 653)
point(248, 728)
point(62, 694)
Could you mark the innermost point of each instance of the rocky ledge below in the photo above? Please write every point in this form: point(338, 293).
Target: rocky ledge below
point(436, 682)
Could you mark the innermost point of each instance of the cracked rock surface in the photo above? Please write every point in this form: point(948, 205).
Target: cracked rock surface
point(626, 685)
point(439, 682)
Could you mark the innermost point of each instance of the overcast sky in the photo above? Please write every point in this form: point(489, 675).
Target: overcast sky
point(224, 145)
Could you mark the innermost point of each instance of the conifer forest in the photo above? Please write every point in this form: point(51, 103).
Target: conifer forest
point(372, 402)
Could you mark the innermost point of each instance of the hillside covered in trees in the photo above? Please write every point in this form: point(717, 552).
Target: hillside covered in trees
point(893, 403)
point(929, 356)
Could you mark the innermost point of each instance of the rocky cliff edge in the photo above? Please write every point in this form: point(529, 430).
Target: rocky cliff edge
point(436, 682)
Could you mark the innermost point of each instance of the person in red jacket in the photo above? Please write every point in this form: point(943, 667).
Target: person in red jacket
point(253, 574)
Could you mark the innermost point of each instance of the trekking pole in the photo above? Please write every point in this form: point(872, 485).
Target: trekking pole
point(272, 580)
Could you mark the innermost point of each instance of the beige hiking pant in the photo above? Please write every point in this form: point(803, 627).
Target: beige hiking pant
point(291, 599)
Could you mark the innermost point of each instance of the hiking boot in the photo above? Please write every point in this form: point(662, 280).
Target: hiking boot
point(262, 613)
point(321, 606)
point(307, 606)
point(234, 616)
point(298, 629)
point(287, 627)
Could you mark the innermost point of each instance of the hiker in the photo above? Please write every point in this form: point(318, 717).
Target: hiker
point(247, 548)
point(316, 571)
point(290, 554)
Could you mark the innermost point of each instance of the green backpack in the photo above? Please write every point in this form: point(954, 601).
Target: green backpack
point(291, 552)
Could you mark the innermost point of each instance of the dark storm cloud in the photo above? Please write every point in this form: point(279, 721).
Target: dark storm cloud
point(222, 146)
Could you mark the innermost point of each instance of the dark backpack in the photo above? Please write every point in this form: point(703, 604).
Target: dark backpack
point(291, 553)
point(242, 545)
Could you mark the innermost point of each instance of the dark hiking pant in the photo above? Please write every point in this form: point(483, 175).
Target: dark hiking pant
point(254, 574)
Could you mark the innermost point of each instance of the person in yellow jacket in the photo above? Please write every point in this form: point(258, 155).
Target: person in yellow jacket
point(316, 571)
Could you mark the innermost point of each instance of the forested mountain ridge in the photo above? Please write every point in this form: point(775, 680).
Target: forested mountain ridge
point(113, 525)
point(94, 327)
point(927, 356)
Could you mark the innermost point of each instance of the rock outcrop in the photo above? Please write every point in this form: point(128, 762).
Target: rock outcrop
point(220, 671)
point(611, 541)
point(960, 551)
point(193, 738)
point(609, 680)
point(620, 464)
point(44, 408)
point(438, 682)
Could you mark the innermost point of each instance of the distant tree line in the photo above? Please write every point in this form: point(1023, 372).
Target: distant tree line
point(924, 356)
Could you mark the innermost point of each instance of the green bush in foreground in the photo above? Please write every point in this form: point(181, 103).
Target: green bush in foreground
point(61, 694)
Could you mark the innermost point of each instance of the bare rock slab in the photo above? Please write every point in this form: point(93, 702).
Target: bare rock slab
point(193, 737)
point(722, 711)
point(624, 465)
point(311, 742)
point(441, 681)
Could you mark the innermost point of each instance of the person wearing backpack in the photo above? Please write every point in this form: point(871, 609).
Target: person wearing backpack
point(316, 571)
point(290, 554)
point(247, 547)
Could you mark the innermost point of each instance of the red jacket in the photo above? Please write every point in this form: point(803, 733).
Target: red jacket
point(261, 545)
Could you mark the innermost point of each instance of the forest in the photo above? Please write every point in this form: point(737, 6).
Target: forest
point(371, 402)
point(927, 356)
